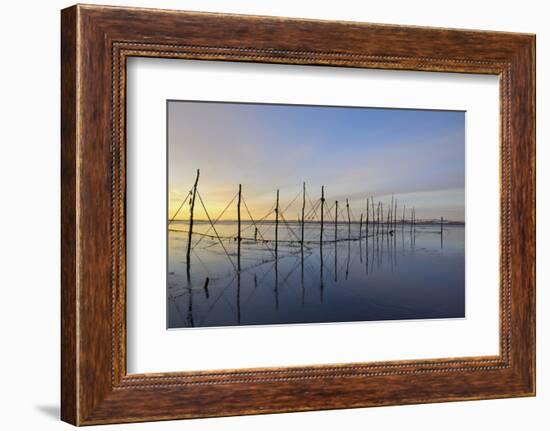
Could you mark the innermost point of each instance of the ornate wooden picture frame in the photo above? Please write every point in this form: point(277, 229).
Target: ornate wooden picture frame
point(96, 41)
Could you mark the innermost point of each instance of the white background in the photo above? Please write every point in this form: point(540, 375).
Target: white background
point(29, 216)
point(151, 348)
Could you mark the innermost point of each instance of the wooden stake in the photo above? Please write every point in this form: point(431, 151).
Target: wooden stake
point(349, 219)
point(191, 225)
point(360, 226)
point(391, 211)
point(378, 221)
point(276, 224)
point(395, 215)
point(321, 263)
point(322, 212)
point(441, 232)
point(373, 217)
point(336, 223)
point(205, 287)
point(303, 213)
point(382, 219)
point(388, 221)
point(367, 221)
point(239, 229)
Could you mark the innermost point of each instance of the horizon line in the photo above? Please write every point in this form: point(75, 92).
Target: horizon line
point(407, 221)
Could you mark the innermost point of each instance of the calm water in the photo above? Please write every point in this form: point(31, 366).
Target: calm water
point(389, 277)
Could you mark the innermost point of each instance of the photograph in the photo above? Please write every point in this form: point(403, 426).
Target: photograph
point(275, 215)
point(282, 214)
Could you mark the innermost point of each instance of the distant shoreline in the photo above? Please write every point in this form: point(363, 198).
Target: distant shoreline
point(340, 222)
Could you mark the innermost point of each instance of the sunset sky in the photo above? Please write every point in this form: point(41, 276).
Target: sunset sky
point(354, 152)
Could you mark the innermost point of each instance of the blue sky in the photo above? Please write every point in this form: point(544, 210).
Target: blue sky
point(418, 155)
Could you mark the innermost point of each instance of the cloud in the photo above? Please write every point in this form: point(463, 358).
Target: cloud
point(353, 152)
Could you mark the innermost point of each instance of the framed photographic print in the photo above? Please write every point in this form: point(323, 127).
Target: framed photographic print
point(268, 215)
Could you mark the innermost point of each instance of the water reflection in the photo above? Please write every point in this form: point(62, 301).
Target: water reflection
point(407, 272)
